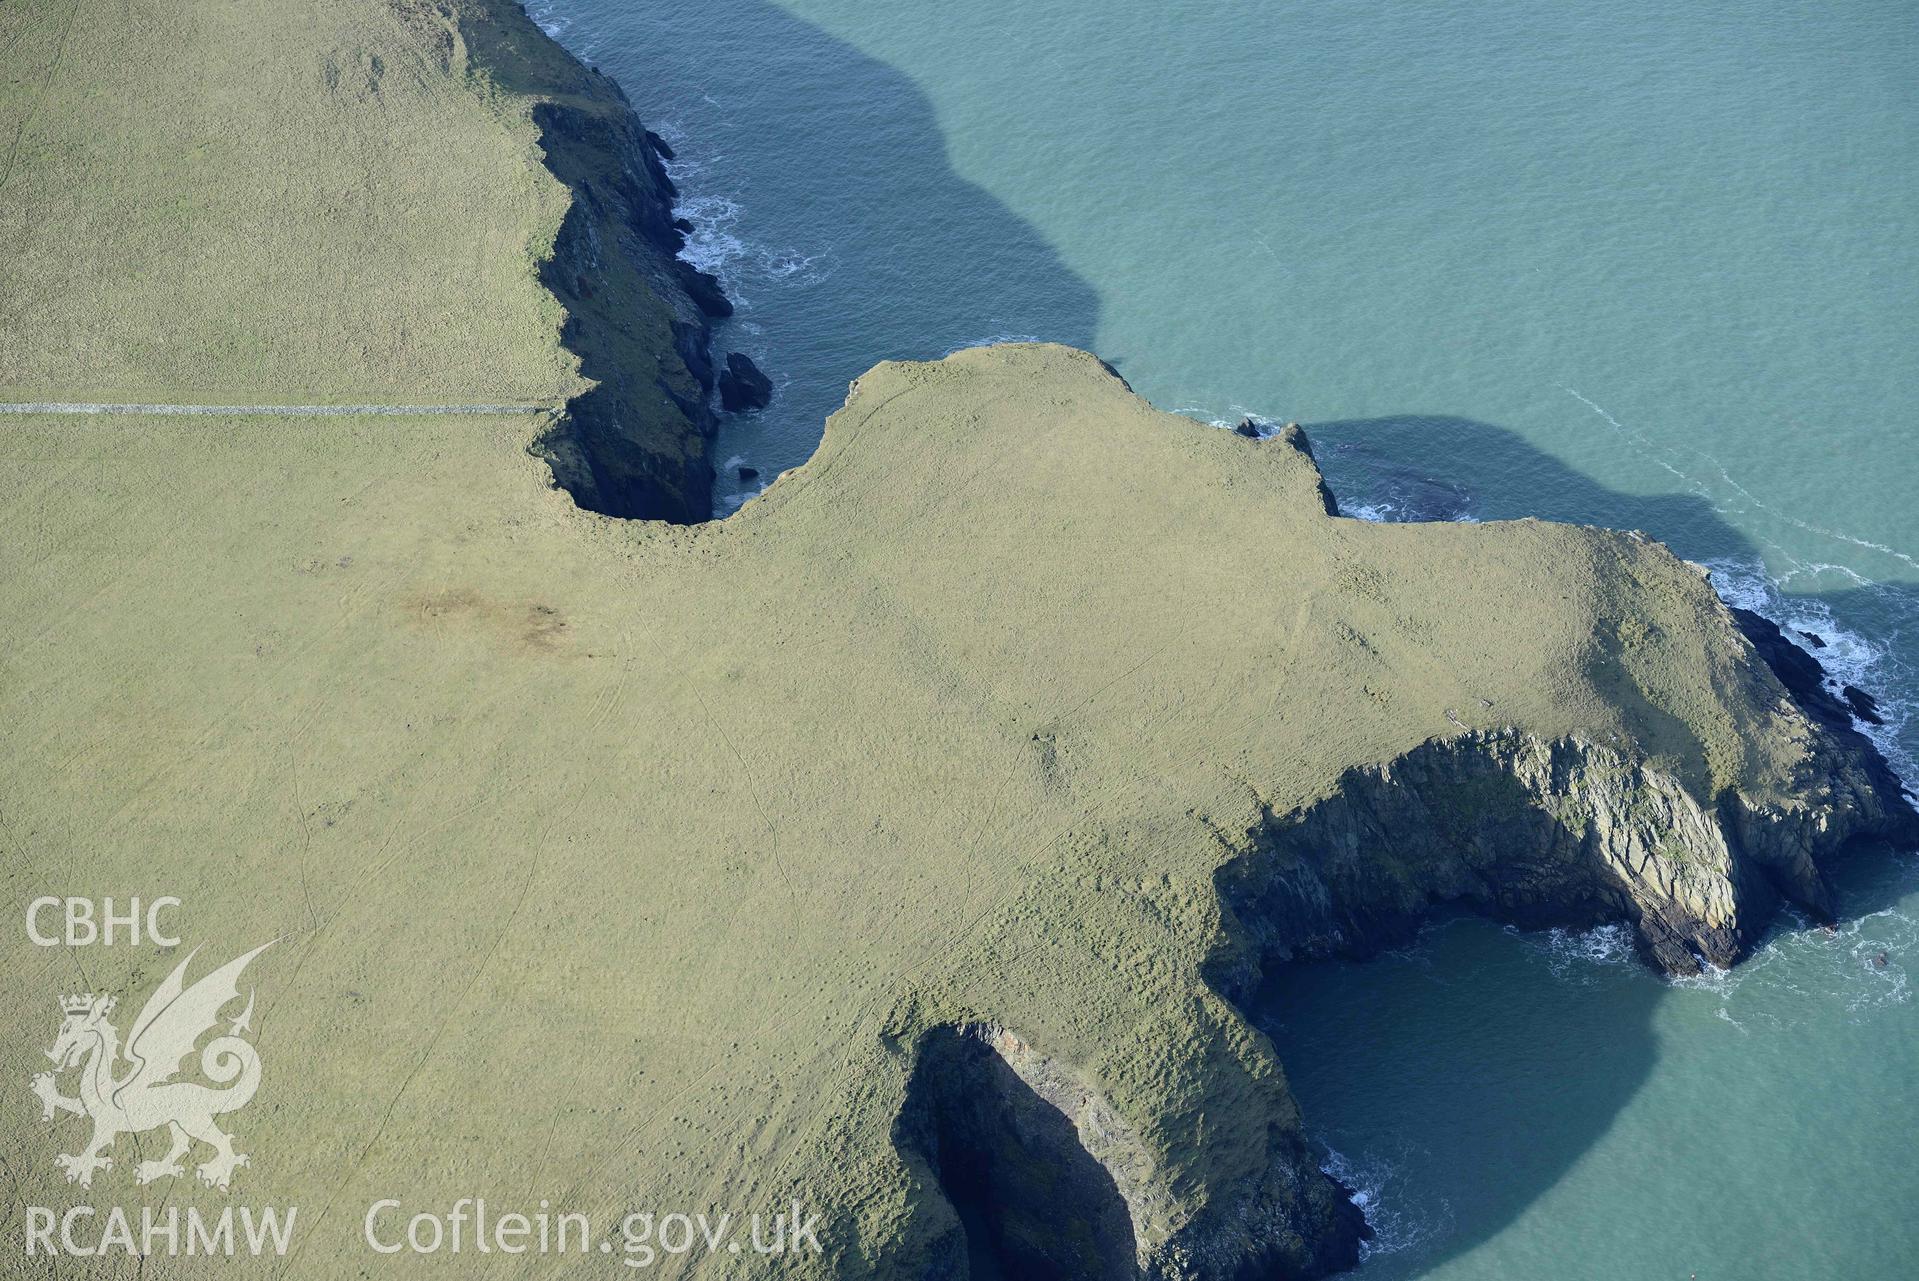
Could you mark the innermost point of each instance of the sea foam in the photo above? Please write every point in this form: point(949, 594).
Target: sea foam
point(1848, 657)
point(1378, 1187)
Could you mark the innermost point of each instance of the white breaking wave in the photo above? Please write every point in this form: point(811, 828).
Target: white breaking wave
point(1385, 511)
point(1848, 657)
point(711, 246)
point(1862, 965)
point(548, 16)
point(715, 244)
point(1375, 1181)
point(1578, 955)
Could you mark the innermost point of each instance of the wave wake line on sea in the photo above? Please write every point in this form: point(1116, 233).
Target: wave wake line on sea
point(1748, 501)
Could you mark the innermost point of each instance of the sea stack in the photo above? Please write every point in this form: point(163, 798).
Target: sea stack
point(743, 388)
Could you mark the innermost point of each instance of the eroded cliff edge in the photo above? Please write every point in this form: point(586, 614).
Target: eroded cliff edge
point(897, 845)
point(639, 443)
point(1693, 828)
point(1531, 831)
point(1683, 770)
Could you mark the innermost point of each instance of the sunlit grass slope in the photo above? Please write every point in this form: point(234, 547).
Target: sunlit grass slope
point(624, 864)
point(261, 202)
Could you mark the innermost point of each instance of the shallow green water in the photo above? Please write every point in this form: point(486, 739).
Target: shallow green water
point(1647, 265)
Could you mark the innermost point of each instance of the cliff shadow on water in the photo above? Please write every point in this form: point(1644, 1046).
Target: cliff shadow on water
point(818, 184)
point(1426, 467)
point(1503, 1059)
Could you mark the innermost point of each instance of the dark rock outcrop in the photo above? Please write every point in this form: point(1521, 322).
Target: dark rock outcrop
point(998, 1129)
point(742, 386)
point(1540, 833)
point(1563, 832)
point(1294, 436)
point(703, 287)
point(1537, 833)
point(1863, 705)
point(1046, 1180)
point(1532, 831)
point(1806, 680)
point(638, 316)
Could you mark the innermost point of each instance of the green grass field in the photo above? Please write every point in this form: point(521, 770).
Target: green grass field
point(626, 865)
point(267, 203)
point(620, 863)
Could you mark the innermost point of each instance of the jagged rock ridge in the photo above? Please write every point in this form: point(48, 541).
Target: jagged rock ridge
point(638, 316)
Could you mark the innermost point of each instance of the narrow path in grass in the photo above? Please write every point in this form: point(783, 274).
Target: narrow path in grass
point(275, 411)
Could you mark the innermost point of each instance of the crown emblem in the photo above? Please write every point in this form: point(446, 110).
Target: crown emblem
point(176, 1018)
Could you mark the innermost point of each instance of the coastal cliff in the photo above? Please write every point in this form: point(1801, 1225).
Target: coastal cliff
point(1536, 831)
point(1531, 832)
point(639, 442)
point(1560, 832)
point(903, 847)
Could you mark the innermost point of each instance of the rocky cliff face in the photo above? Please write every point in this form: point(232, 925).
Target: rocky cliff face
point(1051, 1181)
point(948, 792)
point(1649, 758)
point(1530, 831)
point(1560, 832)
point(635, 445)
point(638, 316)
point(1533, 832)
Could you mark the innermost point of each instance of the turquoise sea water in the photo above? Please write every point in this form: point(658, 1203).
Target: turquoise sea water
point(1645, 265)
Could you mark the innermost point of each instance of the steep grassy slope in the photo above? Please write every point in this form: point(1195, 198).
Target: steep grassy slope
point(627, 865)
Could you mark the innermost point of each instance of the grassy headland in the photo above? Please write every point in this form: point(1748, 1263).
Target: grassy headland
point(632, 865)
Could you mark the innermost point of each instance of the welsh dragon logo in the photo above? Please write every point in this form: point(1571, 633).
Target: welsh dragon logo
point(143, 1095)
